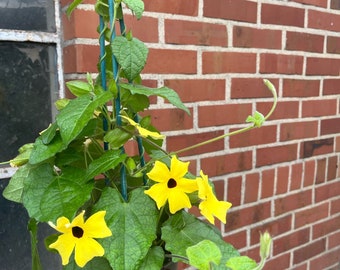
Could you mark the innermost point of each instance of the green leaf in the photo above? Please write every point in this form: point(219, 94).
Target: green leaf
point(257, 119)
point(203, 254)
point(154, 259)
point(23, 157)
point(79, 88)
point(33, 229)
point(136, 102)
point(65, 194)
point(133, 224)
point(130, 54)
point(164, 92)
point(109, 160)
point(72, 6)
point(78, 112)
point(97, 263)
point(183, 230)
point(241, 263)
point(42, 152)
point(48, 134)
point(137, 6)
point(15, 187)
point(35, 184)
point(117, 137)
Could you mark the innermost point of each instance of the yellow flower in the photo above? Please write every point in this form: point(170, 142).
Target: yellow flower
point(209, 205)
point(79, 235)
point(171, 186)
point(143, 131)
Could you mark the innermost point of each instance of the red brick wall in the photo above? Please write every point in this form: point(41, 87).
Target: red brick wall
point(283, 177)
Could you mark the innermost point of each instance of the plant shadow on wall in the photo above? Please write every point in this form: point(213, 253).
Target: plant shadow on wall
point(111, 210)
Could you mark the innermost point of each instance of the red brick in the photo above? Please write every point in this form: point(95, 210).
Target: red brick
point(311, 215)
point(282, 180)
point(170, 119)
point(238, 240)
point(322, 66)
point(313, 249)
point(333, 44)
point(297, 41)
point(319, 107)
point(320, 171)
point(281, 64)
point(327, 191)
point(326, 227)
point(81, 58)
point(296, 177)
point(137, 27)
point(332, 168)
point(309, 173)
point(166, 61)
point(228, 62)
point(195, 90)
point(197, 33)
point(300, 88)
point(220, 165)
point(291, 241)
point(328, 259)
point(298, 130)
point(251, 187)
point(330, 126)
point(334, 239)
point(323, 20)
point(175, 143)
point(283, 110)
point(248, 215)
point(275, 228)
point(234, 190)
point(292, 202)
point(81, 24)
point(301, 267)
point(248, 37)
point(217, 115)
point(256, 136)
point(282, 15)
point(189, 7)
point(331, 87)
point(250, 88)
point(239, 10)
point(283, 261)
point(335, 207)
point(267, 183)
point(320, 3)
point(275, 154)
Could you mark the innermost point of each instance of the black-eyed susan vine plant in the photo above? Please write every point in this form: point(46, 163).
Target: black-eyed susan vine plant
point(111, 210)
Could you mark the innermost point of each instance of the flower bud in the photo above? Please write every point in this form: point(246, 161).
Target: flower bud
point(265, 244)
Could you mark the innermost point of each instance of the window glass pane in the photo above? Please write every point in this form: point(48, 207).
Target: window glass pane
point(15, 248)
point(27, 15)
point(27, 79)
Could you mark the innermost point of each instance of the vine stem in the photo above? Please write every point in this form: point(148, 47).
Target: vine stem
point(272, 89)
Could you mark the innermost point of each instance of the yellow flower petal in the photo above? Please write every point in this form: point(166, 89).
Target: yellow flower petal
point(86, 249)
point(178, 168)
point(79, 236)
point(178, 200)
point(156, 192)
point(159, 173)
point(64, 245)
point(210, 206)
point(95, 226)
point(143, 131)
point(171, 186)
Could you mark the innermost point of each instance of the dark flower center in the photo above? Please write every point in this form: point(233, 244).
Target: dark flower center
point(77, 232)
point(172, 183)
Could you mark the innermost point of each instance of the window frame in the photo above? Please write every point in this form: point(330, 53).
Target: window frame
point(54, 38)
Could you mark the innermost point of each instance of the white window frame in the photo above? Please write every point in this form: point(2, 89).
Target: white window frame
point(39, 37)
